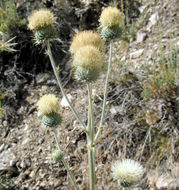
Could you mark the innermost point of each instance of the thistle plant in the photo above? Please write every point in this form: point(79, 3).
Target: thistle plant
point(41, 22)
point(7, 45)
point(112, 23)
point(48, 108)
point(127, 172)
point(87, 49)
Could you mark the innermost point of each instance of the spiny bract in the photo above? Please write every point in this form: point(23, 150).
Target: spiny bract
point(84, 38)
point(57, 155)
point(40, 19)
point(51, 120)
point(48, 104)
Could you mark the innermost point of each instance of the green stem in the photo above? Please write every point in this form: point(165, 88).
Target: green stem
point(105, 94)
point(83, 126)
point(90, 99)
point(90, 139)
point(65, 164)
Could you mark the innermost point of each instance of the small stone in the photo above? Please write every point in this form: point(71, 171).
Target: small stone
point(175, 170)
point(152, 21)
point(44, 88)
point(123, 58)
point(154, 18)
point(12, 162)
point(136, 54)
point(41, 141)
point(26, 141)
point(5, 123)
point(140, 37)
point(142, 8)
point(2, 147)
point(32, 174)
point(113, 110)
point(64, 102)
point(23, 165)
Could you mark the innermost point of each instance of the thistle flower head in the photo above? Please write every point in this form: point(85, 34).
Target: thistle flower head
point(57, 155)
point(88, 57)
point(84, 38)
point(110, 17)
point(127, 171)
point(48, 104)
point(41, 19)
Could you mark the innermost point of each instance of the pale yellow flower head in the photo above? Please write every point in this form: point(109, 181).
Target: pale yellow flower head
point(111, 17)
point(41, 19)
point(88, 57)
point(87, 37)
point(48, 104)
point(127, 171)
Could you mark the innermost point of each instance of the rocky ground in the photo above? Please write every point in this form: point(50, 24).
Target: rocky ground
point(144, 128)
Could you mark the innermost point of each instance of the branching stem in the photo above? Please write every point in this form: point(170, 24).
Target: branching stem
point(105, 94)
point(90, 139)
point(83, 126)
point(65, 163)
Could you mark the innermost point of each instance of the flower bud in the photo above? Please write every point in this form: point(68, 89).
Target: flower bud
point(112, 23)
point(88, 63)
point(52, 120)
point(48, 104)
point(84, 38)
point(57, 155)
point(127, 172)
point(41, 22)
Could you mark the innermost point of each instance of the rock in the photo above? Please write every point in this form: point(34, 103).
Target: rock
point(167, 182)
point(2, 147)
point(41, 141)
point(152, 21)
point(175, 170)
point(116, 109)
point(64, 102)
point(162, 182)
point(6, 156)
point(142, 8)
point(23, 165)
point(154, 18)
point(113, 110)
point(152, 116)
point(42, 78)
point(140, 37)
point(32, 174)
point(5, 123)
point(136, 54)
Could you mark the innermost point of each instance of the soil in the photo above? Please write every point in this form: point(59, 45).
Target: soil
point(26, 146)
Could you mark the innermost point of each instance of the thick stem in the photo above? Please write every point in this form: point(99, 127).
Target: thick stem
point(105, 94)
point(90, 99)
point(90, 139)
point(83, 126)
point(65, 164)
point(91, 167)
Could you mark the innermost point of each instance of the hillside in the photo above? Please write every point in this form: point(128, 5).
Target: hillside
point(142, 115)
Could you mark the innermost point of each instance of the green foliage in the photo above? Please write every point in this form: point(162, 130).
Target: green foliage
point(6, 183)
point(162, 78)
point(133, 26)
point(9, 18)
